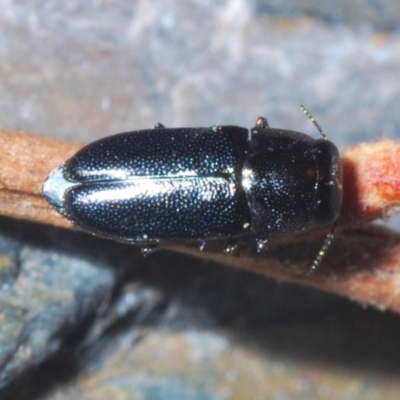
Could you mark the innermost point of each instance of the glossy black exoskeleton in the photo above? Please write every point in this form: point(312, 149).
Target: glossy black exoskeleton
point(149, 186)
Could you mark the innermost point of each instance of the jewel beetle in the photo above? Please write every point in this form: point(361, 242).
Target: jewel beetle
point(164, 184)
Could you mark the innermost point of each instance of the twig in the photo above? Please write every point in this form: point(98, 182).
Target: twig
point(363, 263)
point(25, 162)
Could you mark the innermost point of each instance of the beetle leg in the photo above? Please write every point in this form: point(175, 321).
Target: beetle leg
point(231, 246)
point(261, 244)
point(146, 250)
point(159, 126)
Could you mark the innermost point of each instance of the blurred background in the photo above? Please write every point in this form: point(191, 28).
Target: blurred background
point(86, 318)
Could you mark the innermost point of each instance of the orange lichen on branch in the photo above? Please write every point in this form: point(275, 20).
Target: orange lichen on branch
point(371, 186)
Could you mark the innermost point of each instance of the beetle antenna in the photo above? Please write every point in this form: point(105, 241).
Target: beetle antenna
point(313, 120)
point(321, 254)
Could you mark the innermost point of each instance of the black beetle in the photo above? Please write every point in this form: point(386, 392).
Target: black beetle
point(149, 186)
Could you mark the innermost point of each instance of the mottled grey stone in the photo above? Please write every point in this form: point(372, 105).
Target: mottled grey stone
point(49, 294)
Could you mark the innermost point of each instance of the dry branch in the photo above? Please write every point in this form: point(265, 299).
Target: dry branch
point(363, 264)
point(25, 162)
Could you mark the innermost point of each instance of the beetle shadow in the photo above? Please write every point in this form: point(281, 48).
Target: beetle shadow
point(287, 319)
point(366, 248)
